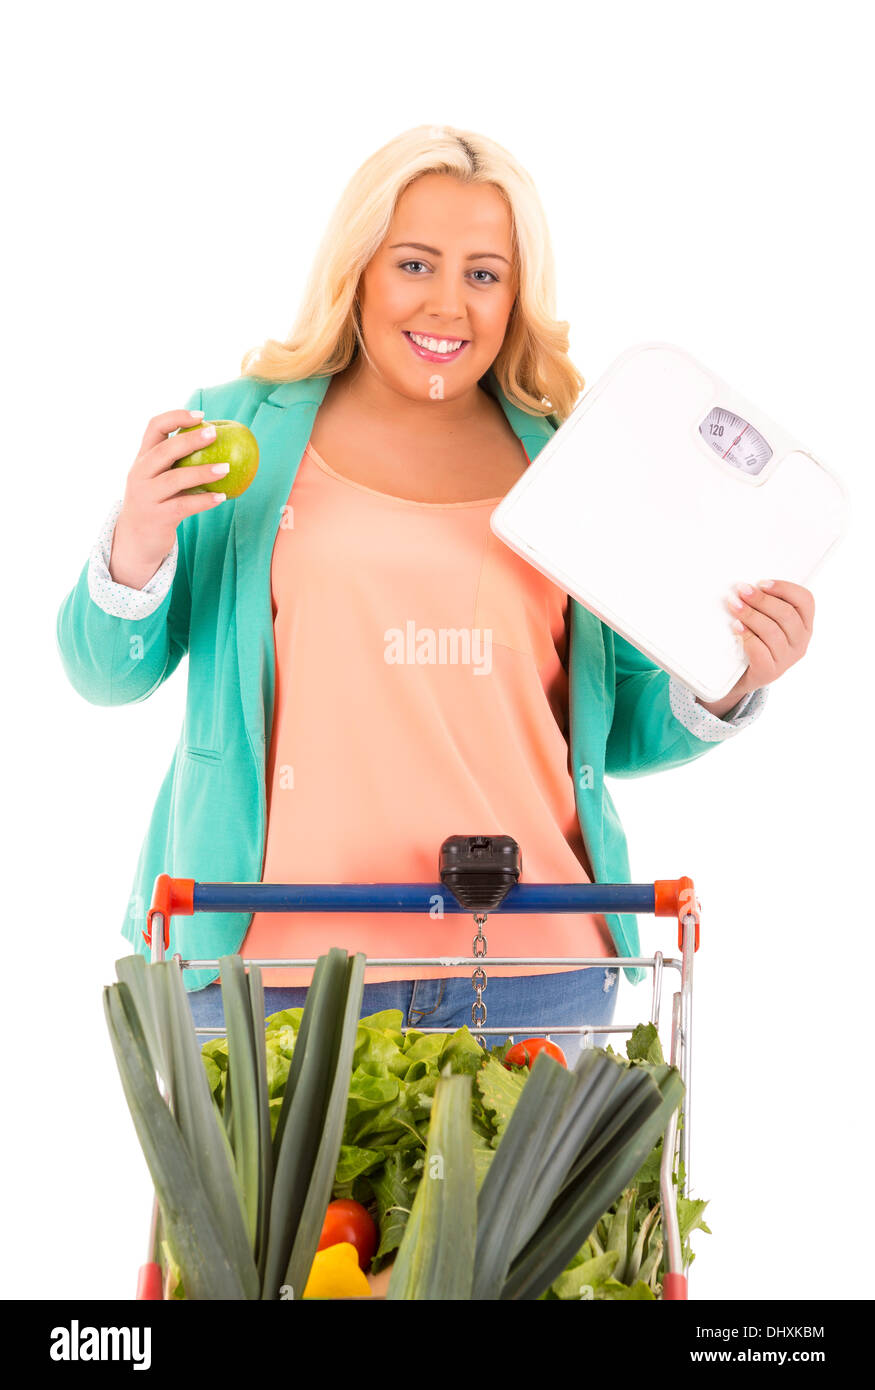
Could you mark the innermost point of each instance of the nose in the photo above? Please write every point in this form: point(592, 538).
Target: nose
point(445, 300)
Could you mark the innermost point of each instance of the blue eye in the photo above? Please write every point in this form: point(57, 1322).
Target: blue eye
point(492, 277)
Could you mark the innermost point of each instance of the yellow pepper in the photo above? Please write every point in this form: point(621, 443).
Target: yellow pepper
point(335, 1273)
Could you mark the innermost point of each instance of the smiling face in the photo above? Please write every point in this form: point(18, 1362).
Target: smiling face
point(436, 296)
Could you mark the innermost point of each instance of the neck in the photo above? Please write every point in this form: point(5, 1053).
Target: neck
point(361, 383)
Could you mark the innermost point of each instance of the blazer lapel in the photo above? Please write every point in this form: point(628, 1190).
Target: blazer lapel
point(586, 671)
point(532, 431)
point(282, 425)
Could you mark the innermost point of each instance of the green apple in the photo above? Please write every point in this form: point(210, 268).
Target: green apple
point(234, 444)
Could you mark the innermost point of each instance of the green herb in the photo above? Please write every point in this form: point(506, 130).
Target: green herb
point(624, 1252)
point(436, 1256)
point(242, 1184)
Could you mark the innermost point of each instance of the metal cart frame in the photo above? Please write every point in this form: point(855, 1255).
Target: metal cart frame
point(662, 898)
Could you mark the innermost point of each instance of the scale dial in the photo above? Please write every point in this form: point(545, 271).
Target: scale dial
point(735, 440)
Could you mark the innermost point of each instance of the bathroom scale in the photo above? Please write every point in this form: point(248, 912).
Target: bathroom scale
point(662, 490)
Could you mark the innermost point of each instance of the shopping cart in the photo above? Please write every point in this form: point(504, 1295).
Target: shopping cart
point(663, 898)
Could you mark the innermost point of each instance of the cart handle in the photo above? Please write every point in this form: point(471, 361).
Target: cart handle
point(181, 897)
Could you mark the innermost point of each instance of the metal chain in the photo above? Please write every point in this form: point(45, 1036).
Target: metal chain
point(478, 978)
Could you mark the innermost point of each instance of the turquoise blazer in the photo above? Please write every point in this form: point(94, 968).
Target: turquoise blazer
point(209, 820)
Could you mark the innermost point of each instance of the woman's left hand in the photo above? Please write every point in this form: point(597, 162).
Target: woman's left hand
point(774, 623)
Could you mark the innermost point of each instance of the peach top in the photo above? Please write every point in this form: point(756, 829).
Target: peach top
point(420, 693)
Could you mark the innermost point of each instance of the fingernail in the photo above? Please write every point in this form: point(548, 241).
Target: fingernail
point(196, 414)
point(744, 588)
point(766, 583)
point(220, 468)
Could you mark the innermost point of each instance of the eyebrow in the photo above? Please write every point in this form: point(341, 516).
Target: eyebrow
point(433, 251)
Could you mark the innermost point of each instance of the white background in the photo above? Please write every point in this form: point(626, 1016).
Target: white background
point(705, 170)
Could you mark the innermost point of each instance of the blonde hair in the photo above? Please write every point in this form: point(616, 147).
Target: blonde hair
point(532, 367)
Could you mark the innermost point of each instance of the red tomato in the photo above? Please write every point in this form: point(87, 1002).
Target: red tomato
point(350, 1221)
point(523, 1054)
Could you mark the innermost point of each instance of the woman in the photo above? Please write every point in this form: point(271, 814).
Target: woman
point(370, 669)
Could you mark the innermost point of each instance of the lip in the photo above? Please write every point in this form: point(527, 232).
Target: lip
point(426, 356)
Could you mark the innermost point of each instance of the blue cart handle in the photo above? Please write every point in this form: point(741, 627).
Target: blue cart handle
point(174, 897)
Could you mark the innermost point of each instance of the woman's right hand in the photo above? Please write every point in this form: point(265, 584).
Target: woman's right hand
point(155, 500)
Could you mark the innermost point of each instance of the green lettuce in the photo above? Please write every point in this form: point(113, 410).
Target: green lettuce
point(385, 1134)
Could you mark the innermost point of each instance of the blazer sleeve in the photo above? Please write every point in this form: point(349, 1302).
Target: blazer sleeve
point(650, 730)
point(115, 658)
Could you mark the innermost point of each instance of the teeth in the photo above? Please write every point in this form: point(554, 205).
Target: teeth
point(437, 344)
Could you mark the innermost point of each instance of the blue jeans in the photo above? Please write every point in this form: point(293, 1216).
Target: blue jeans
point(516, 1003)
